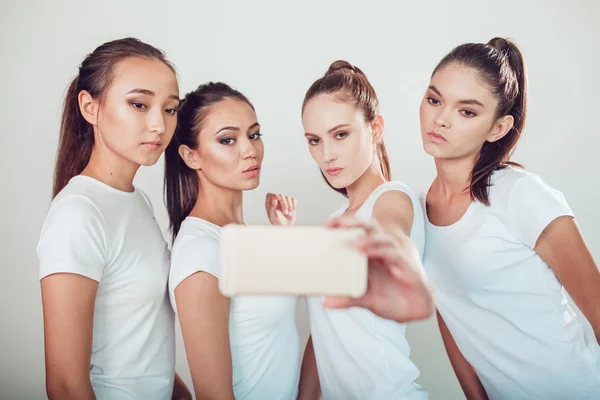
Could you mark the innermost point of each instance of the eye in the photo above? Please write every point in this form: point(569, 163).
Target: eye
point(227, 141)
point(255, 136)
point(313, 141)
point(467, 113)
point(433, 101)
point(171, 111)
point(341, 135)
point(139, 106)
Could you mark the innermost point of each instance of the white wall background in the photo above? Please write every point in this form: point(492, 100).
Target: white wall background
point(272, 51)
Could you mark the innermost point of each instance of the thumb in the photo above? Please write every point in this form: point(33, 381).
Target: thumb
point(339, 302)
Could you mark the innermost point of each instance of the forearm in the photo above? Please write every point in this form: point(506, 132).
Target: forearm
point(465, 373)
point(213, 391)
point(309, 387)
point(212, 374)
point(470, 384)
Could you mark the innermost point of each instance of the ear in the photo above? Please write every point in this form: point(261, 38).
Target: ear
point(88, 107)
point(190, 157)
point(377, 128)
point(501, 127)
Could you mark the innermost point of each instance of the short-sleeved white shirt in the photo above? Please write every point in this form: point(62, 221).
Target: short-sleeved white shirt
point(263, 337)
point(503, 304)
point(360, 355)
point(111, 236)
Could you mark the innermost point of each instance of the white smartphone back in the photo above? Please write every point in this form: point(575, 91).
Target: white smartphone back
point(291, 260)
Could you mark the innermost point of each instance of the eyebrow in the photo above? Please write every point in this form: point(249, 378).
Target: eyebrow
point(332, 130)
point(235, 128)
point(151, 93)
point(468, 102)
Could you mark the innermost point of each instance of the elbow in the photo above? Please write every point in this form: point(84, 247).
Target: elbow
point(57, 389)
point(61, 388)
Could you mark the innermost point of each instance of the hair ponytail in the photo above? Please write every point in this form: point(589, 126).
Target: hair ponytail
point(75, 142)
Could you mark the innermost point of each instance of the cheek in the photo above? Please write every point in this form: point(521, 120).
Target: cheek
point(218, 161)
point(361, 147)
point(119, 124)
point(427, 115)
point(473, 132)
point(315, 153)
point(259, 147)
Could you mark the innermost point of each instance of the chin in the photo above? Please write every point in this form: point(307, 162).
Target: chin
point(432, 149)
point(250, 185)
point(337, 183)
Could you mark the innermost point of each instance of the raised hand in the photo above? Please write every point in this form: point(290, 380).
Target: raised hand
point(397, 288)
point(281, 209)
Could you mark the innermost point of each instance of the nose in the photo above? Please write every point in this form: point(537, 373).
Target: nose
point(156, 123)
point(248, 150)
point(328, 152)
point(442, 119)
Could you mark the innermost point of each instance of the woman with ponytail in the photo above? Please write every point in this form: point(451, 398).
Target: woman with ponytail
point(361, 352)
point(246, 347)
point(501, 244)
point(104, 264)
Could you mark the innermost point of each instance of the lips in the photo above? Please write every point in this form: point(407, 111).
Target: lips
point(334, 171)
point(153, 145)
point(436, 137)
point(252, 171)
point(253, 167)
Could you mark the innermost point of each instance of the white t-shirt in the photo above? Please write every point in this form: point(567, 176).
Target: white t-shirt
point(111, 236)
point(503, 305)
point(264, 341)
point(360, 355)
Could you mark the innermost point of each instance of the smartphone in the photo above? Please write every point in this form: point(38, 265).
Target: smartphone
point(291, 260)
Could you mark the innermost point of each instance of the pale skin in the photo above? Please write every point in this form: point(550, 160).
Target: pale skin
point(344, 146)
point(138, 108)
point(228, 143)
point(462, 110)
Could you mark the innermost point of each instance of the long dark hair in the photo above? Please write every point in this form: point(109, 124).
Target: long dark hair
point(352, 85)
point(181, 181)
point(501, 65)
point(95, 76)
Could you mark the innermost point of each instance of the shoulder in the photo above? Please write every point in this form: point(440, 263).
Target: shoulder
point(394, 196)
point(191, 237)
point(194, 250)
point(194, 243)
point(514, 185)
point(145, 197)
point(72, 209)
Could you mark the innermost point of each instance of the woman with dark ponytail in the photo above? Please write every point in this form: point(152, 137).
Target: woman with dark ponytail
point(104, 264)
point(500, 242)
point(362, 353)
point(246, 347)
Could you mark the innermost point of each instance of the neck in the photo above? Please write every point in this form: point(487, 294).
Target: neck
point(111, 169)
point(453, 175)
point(218, 205)
point(359, 191)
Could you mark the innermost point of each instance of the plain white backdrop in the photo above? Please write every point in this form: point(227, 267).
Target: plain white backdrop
point(272, 51)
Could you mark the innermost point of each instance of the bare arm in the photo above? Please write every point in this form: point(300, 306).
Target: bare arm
point(68, 306)
point(467, 377)
point(180, 389)
point(563, 248)
point(394, 212)
point(397, 288)
point(204, 317)
point(309, 387)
